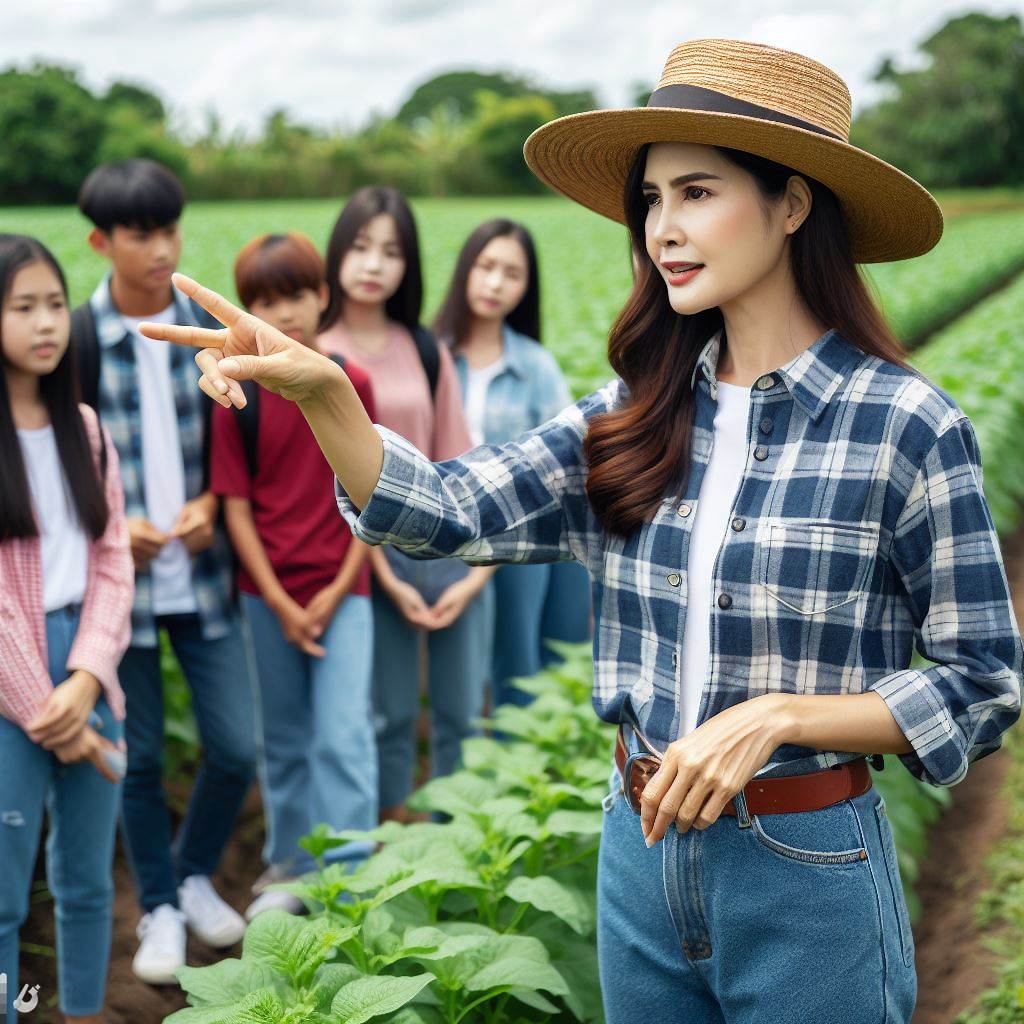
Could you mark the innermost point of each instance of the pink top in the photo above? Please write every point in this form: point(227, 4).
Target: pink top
point(401, 391)
point(104, 625)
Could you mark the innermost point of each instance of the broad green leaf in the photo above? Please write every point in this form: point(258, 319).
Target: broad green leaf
point(224, 982)
point(329, 979)
point(459, 793)
point(295, 946)
point(370, 997)
point(565, 823)
point(546, 894)
point(515, 971)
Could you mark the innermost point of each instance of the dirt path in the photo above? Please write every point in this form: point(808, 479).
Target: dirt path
point(953, 967)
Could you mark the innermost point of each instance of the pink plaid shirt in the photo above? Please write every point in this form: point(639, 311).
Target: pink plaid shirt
point(104, 625)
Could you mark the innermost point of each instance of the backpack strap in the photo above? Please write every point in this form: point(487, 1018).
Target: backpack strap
point(430, 356)
point(86, 347)
point(249, 419)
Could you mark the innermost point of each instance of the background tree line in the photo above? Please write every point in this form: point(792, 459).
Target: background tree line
point(957, 121)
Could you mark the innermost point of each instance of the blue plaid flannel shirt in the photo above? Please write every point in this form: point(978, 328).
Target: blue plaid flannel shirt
point(119, 410)
point(859, 529)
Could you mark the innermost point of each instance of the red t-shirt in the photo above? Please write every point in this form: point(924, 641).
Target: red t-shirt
point(292, 493)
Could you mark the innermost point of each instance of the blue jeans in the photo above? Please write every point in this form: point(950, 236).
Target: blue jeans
point(788, 918)
point(566, 614)
point(317, 751)
point(81, 807)
point(217, 672)
point(519, 592)
point(456, 677)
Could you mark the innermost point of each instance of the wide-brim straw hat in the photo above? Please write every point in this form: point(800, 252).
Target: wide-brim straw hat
point(748, 96)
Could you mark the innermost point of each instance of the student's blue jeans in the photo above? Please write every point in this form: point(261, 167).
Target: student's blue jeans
point(456, 679)
point(218, 674)
point(519, 592)
point(787, 918)
point(81, 807)
point(566, 612)
point(317, 750)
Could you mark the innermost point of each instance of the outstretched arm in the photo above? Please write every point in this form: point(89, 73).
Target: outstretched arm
point(246, 348)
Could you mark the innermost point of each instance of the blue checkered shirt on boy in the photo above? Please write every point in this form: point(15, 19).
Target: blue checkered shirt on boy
point(859, 527)
point(120, 413)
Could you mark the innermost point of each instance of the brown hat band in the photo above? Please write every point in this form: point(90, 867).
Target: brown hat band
point(696, 97)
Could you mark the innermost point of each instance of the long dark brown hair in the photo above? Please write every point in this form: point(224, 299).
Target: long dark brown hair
point(59, 392)
point(635, 454)
point(404, 306)
point(453, 318)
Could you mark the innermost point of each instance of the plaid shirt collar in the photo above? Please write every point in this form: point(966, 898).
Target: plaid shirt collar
point(813, 377)
point(110, 328)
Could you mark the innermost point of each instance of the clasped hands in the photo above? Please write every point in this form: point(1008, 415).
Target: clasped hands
point(193, 527)
point(62, 725)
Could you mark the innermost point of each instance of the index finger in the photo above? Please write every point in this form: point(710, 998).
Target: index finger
point(227, 313)
point(197, 337)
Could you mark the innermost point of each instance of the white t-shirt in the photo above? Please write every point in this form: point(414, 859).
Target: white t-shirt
point(711, 519)
point(163, 469)
point(477, 383)
point(64, 545)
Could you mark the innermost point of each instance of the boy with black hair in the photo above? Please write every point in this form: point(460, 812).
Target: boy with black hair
point(146, 396)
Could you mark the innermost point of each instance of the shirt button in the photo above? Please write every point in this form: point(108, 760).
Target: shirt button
point(684, 509)
point(724, 601)
point(765, 426)
point(765, 382)
point(739, 523)
point(760, 453)
point(674, 579)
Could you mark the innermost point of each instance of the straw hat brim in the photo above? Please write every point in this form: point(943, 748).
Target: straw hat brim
point(587, 157)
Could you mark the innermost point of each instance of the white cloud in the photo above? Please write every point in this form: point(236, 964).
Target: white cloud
point(336, 62)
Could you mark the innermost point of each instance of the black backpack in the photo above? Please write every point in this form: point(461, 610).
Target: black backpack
point(248, 418)
point(430, 356)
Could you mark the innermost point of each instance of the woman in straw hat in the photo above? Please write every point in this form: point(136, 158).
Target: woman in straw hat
point(773, 507)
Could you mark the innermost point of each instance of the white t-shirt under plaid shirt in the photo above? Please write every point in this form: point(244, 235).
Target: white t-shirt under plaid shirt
point(711, 514)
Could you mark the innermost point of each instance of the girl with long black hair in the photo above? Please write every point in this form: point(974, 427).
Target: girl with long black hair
point(510, 383)
point(65, 599)
point(375, 291)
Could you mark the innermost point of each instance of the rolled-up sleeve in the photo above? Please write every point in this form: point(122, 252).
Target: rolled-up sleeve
point(523, 501)
point(946, 552)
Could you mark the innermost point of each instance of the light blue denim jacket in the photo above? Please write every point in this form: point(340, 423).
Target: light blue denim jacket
point(529, 390)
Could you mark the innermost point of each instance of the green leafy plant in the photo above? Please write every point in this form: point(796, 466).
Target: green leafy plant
point(487, 915)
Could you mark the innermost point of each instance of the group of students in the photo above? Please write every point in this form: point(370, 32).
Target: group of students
point(130, 504)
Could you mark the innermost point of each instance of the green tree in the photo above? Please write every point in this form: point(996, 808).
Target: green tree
point(147, 105)
point(496, 138)
point(459, 89)
point(958, 121)
point(51, 127)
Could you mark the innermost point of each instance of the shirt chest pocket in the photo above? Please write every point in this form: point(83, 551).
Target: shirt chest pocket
point(814, 566)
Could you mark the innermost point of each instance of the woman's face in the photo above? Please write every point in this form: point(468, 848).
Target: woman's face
point(703, 209)
point(35, 322)
point(498, 279)
point(373, 267)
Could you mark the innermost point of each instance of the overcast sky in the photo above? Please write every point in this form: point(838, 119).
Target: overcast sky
point(333, 63)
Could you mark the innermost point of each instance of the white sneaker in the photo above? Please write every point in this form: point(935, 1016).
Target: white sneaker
point(274, 901)
point(162, 946)
point(208, 917)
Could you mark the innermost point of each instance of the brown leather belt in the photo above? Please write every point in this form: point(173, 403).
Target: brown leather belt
point(809, 792)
